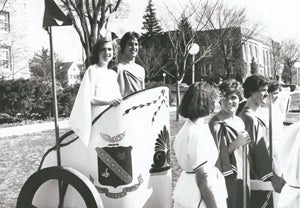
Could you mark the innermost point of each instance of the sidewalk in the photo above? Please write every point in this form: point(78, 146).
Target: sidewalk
point(27, 129)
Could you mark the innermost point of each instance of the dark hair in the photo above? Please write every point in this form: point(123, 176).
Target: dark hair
point(253, 83)
point(126, 37)
point(198, 101)
point(97, 48)
point(231, 86)
point(273, 86)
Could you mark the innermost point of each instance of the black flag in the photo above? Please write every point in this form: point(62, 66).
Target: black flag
point(53, 16)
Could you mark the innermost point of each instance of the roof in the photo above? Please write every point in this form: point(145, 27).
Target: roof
point(64, 66)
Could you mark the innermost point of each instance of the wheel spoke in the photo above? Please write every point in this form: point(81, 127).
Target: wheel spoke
point(64, 187)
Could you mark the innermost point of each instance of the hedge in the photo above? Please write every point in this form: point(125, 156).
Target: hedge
point(33, 99)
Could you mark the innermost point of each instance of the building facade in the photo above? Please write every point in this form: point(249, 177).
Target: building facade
point(70, 72)
point(14, 53)
point(233, 52)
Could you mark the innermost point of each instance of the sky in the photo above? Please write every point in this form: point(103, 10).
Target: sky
point(278, 18)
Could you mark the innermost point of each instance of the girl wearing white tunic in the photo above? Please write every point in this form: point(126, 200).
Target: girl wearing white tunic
point(290, 161)
point(200, 184)
point(98, 89)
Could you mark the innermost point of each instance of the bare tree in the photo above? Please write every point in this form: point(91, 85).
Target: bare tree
point(153, 61)
point(182, 35)
point(89, 17)
point(3, 5)
point(275, 48)
point(290, 54)
point(228, 23)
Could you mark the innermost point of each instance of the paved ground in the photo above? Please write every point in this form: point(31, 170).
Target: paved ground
point(32, 128)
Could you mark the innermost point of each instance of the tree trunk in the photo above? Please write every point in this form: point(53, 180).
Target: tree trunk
point(177, 99)
point(226, 66)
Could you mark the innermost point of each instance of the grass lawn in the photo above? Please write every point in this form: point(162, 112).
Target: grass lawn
point(20, 157)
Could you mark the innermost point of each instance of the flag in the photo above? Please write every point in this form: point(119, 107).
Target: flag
point(53, 16)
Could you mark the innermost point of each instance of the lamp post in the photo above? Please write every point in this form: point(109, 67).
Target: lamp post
point(280, 70)
point(193, 50)
point(164, 76)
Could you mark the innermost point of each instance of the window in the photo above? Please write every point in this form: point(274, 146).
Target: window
point(4, 21)
point(231, 71)
point(256, 54)
point(171, 54)
point(202, 70)
point(5, 58)
point(205, 68)
point(251, 51)
point(245, 53)
point(205, 50)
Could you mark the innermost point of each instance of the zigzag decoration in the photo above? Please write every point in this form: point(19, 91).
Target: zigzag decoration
point(158, 108)
point(162, 97)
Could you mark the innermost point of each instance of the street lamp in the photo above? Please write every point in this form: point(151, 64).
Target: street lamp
point(164, 76)
point(193, 50)
point(280, 70)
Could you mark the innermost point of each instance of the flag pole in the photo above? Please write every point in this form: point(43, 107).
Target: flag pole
point(245, 178)
point(54, 99)
point(58, 156)
point(271, 127)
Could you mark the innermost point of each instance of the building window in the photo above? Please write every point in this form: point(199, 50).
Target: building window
point(205, 50)
point(231, 71)
point(245, 52)
point(171, 54)
point(205, 68)
point(251, 51)
point(228, 49)
point(256, 54)
point(4, 21)
point(5, 58)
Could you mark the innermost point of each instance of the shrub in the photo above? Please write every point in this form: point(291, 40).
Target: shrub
point(33, 99)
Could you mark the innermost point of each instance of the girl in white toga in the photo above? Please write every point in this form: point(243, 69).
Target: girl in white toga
point(200, 184)
point(98, 89)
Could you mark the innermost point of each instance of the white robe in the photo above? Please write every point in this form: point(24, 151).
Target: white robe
point(194, 145)
point(290, 161)
point(96, 83)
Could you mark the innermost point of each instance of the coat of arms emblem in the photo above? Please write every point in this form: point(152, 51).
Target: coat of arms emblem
point(114, 165)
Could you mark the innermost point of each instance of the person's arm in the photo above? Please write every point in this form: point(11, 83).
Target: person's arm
point(143, 78)
point(114, 102)
point(120, 80)
point(242, 139)
point(205, 186)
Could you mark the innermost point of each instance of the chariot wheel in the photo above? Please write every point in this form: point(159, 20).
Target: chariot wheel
point(67, 177)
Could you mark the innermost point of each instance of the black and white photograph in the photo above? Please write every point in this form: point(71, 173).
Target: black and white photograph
point(149, 104)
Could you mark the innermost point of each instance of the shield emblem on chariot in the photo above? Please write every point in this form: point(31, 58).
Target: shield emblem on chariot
point(114, 165)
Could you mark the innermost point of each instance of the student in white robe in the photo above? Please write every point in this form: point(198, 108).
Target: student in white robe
point(200, 184)
point(290, 163)
point(131, 76)
point(98, 90)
